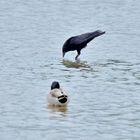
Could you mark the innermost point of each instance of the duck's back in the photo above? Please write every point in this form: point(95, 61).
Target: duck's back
point(57, 97)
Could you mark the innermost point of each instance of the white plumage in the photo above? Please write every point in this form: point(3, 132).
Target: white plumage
point(57, 96)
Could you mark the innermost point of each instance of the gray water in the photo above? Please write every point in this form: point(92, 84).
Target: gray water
point(104, 86)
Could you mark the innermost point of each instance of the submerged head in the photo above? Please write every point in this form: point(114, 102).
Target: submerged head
point(55, 84)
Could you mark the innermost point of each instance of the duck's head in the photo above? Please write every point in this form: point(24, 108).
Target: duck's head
point(55, 84)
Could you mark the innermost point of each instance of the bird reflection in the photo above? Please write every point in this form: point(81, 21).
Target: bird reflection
point(75, 64)
point(58, 108)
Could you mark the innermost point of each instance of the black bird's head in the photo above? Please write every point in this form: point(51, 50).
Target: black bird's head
point(54, 85)
point(66, 47)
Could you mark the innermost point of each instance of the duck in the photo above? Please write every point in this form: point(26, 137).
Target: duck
point(57, 96)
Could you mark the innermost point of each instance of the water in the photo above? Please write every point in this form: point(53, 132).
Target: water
point(104, 86)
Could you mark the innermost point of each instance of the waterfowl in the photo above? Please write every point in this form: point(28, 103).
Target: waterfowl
point(79, 42)
point(57, 96)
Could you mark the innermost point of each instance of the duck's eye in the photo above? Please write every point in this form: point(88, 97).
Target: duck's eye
point(62, 92)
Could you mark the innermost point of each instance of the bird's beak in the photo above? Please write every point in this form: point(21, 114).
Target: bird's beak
point(63, 54)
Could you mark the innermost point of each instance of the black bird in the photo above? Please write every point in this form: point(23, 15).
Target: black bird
point(79, 42)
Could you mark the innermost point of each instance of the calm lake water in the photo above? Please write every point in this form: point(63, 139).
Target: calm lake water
point(104, 86)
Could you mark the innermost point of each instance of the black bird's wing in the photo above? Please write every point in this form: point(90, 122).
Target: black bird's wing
point(85, 38)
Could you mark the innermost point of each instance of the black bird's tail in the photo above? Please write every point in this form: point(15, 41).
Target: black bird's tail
point(93, 35)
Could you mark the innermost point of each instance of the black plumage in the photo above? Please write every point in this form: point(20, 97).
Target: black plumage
point(79, 42)
point(54, 85)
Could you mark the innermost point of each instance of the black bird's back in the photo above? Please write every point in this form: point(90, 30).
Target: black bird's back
point(85, 38)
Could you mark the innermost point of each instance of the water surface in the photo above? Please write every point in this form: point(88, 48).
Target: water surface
point(104, 85)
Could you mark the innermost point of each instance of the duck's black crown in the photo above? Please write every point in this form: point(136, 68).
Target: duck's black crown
point(55, 84)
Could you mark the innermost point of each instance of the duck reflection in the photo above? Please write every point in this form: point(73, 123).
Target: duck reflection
point(58, 108)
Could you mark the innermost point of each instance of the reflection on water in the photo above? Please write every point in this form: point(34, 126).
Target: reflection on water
point(110, 70)
point(58, 108)
point(75, 64)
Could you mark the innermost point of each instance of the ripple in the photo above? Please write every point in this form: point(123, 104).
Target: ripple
point(114, 62)
point(136, 74)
